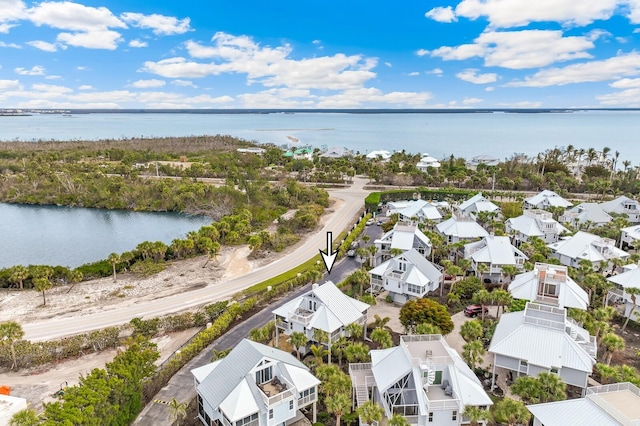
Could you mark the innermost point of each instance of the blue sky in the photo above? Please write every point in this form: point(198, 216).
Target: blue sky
point(329, 54)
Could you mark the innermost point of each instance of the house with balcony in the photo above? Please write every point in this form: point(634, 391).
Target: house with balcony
point(534, 223)
point(549, 285)
point(629, 236)
point(407, 276)
point(325, 307)
point(546, 199)
point(403, 236)
point(476, 204)
point(585, 214)
point(423, 379)
point(617, 404)
point(583, 245)
point(543, 338)
point(623, 206)
point(628, 279)
point(419, 211)
point(460, 228)
point(494, 252)
point(254, 385)
point(427, 161)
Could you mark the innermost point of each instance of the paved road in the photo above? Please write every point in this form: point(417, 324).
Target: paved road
point(340, 219)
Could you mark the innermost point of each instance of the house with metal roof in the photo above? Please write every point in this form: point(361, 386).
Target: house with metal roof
point(423, 379)
point(487, 160)
point(546, 199)
point(583, 245)
point(335, 152)
point(406, 276)
point(543, 338)
point(403, 236)
point(379, 155)
point(427, 161)
point(494, 252)
point(623, 205)
point(325, 307)
point(549, 285)
point(463, 228)
point(617, 404)
point(9, 406)
point(418, 211)
point(476, 204)
point(629, 236)
point(590, 214)
point(534, 223)
point(628, 279)
point(254, 385)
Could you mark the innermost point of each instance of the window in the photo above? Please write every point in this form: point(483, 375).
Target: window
point(271, 414)
point(554, 370)
point(402, 266)
point(412, 288)
point(454, 415)
point(524, 366)
point(430, 416)
point(200, 406)
point(291, 405)
point(264, 375)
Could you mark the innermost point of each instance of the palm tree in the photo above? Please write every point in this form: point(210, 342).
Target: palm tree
point(471, 330)
point(381, 322)
point(354, 330)
point(382, 337)
point(613, 343)
point(481, 268)
point(472, 353)
point(552, 387)
point(453, 270)
point(502, 298)
point(338, 347)
point(114, 259)
point(362, 253)
point(356, 352)
point(42, 284)
point(18, 274)
point(10, 332)
point(427, 328)
point(26, 417)
point(338, 403)
point(527, 388)
point(177, 410)
point(298, 340)
point(633, 292)
point(398, 420)
point(359, 278)
point(511, 412)
point(475, 414)
point(509, 271)
point(481, 298)
point(319, 352)
point(370, 412)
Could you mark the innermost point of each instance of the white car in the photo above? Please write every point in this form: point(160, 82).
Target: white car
point(369, 222)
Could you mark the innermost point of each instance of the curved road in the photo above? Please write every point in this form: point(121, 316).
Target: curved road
point(336, 222)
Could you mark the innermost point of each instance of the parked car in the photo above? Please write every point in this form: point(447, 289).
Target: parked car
point(448, 277)
point(351, 253)
point(474, 310)
point(369, 222)
point(379, 223)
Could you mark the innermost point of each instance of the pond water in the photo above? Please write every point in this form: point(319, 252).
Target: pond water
point(72, 236)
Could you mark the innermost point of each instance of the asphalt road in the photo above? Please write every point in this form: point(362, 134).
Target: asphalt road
point(340, 219)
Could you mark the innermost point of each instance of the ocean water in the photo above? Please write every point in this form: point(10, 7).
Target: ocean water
point(439, 134)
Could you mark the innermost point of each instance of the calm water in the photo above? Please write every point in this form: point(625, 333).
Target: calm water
point(74, 236)
point(440, 135)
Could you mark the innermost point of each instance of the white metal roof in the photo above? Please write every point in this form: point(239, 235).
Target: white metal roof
point(494, 249)
point(526, 286)
point(419, 270)
point(299, 377)
point(463, 229)
point(573, 412)
point(592, 212)
point(471, 201)
point(580, 246)
point(616, 205)
point(529, 226)
point(628, 279)
point(201, 372)
point(632, 231)
point(551, 197)
point(240, 402)
point(388, 366)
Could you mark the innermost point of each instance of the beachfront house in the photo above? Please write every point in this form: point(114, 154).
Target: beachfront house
point(616, 404)
point(255, 385)
point(629, 236)
point(403, 236)
point(335, 152)
point(585, 215)
point(628, 279)
point(422, 379)
point(476, 204)
point(494, 252)
point(546, 199)
point(464, 228)
point(583, 245)
point(426, 162)
point(485, 160)
point(379, 155)
point(417, 211)
point(542, 338)
point(406, 276)
point(549, 285)
point(623, 206)
point(326, 308)
point(534, 223)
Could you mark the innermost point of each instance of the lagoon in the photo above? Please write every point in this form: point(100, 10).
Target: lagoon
point(72, 236)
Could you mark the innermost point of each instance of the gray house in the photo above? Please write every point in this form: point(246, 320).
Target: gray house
point(623, 205)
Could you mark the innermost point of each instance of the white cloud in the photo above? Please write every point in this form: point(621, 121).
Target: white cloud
point(35, 70)
point(372, 97)
point(266, 65)
point(388, 64)
point(471, 75)
point(472, 101)
point(10, 11)
point(633, 12)
point(626, 98)
point(74, 17)
point(607, 69)
point(11, 45)
point(43, 45)
point(441, 14)
point(436, 71)
point(4, 28)
point(489, 89)
point(422, 52)
point(520, 49)
point(184, 83)
point(103, 39)
point(626, 83)
point(515, 13)
point(146, 84)
point(53, 77)
point(160, 24)
point(10, 85)
point(138, 43)
point(114, 96)
point(85, 87)
point(413, 74)
point(82, 68)
point(50, 89)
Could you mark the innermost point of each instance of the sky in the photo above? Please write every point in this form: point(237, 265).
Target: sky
point(323, 54)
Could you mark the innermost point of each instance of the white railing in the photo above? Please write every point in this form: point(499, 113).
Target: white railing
point(301, 318)
point(593, 394)
point(306, 400)
point(272, 400)
point(421, 338)
point(443, 404)
point(548, 299)
point(435, 360)
point(394, 274)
